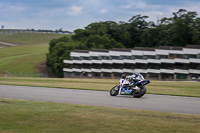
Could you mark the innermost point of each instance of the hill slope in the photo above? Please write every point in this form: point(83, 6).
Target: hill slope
point(28, 38)
point(23, 59)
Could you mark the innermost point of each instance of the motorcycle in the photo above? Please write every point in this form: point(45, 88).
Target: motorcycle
point(130, 85)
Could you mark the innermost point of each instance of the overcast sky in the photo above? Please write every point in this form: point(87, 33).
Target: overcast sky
point(73, 14)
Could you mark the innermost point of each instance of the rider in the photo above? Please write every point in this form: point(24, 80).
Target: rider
point(135, 76)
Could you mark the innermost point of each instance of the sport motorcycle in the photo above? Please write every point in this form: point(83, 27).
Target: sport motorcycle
point(131, 85)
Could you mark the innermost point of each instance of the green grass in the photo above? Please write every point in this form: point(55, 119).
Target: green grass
point(28, 38)
point(25, 57)
point(22, 58)
point(177, 88)
point(19, 116)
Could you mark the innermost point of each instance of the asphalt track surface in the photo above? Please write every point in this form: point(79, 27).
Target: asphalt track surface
point(163, 103)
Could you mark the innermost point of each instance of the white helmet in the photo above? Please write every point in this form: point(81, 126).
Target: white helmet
point(136, 74)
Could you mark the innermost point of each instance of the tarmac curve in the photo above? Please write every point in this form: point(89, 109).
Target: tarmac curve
point(163, 103)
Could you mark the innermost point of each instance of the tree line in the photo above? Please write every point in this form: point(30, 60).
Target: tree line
point(181, 29)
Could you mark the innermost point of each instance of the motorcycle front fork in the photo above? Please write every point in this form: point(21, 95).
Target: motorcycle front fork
point(136, 88)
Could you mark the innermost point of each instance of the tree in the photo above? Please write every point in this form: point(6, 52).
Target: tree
point(53, 42)
point(101, 42)
point(138, 26)
point(180, 29)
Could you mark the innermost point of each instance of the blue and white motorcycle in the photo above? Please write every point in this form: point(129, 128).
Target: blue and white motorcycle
point(130, 85)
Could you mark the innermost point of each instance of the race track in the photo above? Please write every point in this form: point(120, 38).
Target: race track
point(164, 103)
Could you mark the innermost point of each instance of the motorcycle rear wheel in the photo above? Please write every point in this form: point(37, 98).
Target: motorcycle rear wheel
point(113, 91)
point(141, 93)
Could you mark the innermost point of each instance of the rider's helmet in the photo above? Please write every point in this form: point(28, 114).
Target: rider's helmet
point(136, 74)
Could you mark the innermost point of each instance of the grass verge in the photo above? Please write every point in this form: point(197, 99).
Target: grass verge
point(31, 116)
point(191, 89)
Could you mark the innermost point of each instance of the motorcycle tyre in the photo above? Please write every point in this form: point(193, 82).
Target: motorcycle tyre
point(113, 92)
point(143, 91)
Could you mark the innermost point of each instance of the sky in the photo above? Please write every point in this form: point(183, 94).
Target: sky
point(74, 14)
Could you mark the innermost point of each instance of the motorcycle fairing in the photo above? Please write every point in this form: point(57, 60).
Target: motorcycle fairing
point(142, 82)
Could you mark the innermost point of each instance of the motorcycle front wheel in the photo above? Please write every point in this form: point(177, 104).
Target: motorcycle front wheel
point(141, 93)
point(114, 91)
